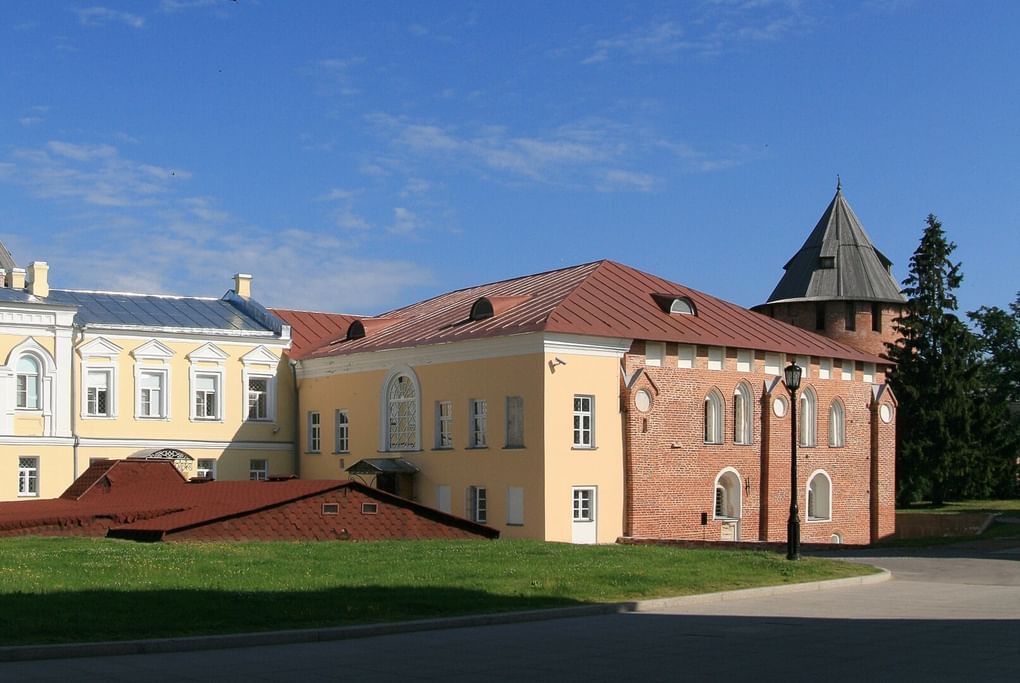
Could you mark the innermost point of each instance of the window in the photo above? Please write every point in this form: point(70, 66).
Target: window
point(343, 432)
point(97, 393)
point(207, 390)
point(742, 414)
point(868, 373)
point(369, 508)
point(876, 316)
point(820, 315)
point(727, 495)
point(654, 353)
point(583, 499)
point(773, 364)
point(745, 360)
point(331, 508)
point(477, 504)
point(514, 422)
point(206, 468)
point(713, 417)
point(837, 424)
point(444, 424)
point(402, 423)
point(515, 506)
point(819, 497)
point(685, 356)
point(584, 413)
point(258, 398)
point(258, 470)
point(715, 357)
point(846, 370)
point(314, 432)
point(28, 476)
point(824, 368)
point(443, 498)
point(851, 317)
point(28, 383)
point(151, 393)
point(808, 416)
point(479, 412)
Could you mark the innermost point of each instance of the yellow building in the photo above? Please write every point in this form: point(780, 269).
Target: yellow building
point(88, 374)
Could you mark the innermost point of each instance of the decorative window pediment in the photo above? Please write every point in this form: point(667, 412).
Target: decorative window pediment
point(209, 353)
point(260, 355)
point(100, 347)
point(152, 349)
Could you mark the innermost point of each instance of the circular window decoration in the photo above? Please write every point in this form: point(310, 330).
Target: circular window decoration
point(643, 401)
point(779, 406)
point(885, 412)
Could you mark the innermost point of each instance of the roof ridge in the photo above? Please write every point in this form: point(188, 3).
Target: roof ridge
point(155, 296)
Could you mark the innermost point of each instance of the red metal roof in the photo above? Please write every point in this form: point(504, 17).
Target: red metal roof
point(309, 329)
point(600, 299)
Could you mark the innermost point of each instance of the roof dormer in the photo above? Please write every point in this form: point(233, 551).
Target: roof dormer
point(366, 327)
point(490, 306)
point(676, 304)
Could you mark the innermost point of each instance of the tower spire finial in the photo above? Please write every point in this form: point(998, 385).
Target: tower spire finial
point(839, 184)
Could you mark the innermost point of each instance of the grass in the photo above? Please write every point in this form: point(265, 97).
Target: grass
point(1006, 506)
point(68, 589)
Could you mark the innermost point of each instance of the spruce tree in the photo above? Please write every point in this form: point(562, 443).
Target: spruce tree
point(934, 380)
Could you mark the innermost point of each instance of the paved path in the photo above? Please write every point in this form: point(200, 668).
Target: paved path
point(947, 615)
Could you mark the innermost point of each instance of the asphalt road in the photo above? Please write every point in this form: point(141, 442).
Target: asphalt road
point(947, 615)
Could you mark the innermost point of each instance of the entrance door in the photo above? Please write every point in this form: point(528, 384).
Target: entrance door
point(584, 527)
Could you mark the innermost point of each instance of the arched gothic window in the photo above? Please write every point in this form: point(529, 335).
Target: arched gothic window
point(28, 383)
point(727, 495)
point(808, 417)
point(819, 497)
point(402, 414)
point(837, 424)
point(713, 417)
point(742, 414)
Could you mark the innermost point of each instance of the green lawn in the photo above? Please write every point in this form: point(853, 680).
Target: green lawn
point(69, 589)
point(1008, 506)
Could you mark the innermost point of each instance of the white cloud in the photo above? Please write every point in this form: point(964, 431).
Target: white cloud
point(404, 221)
point(339, 193)
point(616, 180)
point(100, 16)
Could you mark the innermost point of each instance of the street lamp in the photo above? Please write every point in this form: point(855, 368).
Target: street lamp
point(792, 375)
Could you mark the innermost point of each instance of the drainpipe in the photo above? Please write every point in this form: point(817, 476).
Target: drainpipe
point(297, 419)
point(77, 334)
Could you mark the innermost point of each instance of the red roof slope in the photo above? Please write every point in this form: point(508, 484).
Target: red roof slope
point(601, 299)
point(309, 329)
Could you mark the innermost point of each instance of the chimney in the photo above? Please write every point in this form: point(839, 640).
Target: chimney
point(242, 285)
point(38, 278)
point(18, 278)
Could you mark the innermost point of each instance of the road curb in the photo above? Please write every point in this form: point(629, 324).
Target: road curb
point(18, 653)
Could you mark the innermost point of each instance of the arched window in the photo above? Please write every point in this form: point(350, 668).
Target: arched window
point(727, 495)
point(819, 497)
point(402, 414)
point(808, 417)
point(713, 417)
point(742, 414)
point(28, 383)
point(837, 424)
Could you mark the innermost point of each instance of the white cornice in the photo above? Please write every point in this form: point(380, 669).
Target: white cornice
point(185, 444)
point(471, 349)
point(29, 441)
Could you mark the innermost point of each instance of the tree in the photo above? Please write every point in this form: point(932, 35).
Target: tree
point(935, 380)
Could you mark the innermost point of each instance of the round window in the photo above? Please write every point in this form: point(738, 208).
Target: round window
point(885, 412)
point(643, 401)
point(779, 406)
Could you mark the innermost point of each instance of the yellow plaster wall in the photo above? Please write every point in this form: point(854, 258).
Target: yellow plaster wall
point(567, 467)
point(231, 463)
point(55, 469)
point(495, 467)
point(9, 341)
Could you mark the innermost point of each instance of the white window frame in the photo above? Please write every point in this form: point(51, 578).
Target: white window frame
point(585, 512)
point(218, 388)
point(28, 476)
point(269, 394)
point(36, 378)
point(583, 436)
point(444, 424)
point(477, 504)
point(163, 409)
point(205, 471)
point(837, 424)
point(514, 412)
point(811, 507)
point(258, 474)
point(341, 431)
point(478, 423)
point(110, 371)
point(413, 405)
point(713, 418)
point(314, 433)
point(807, 415)
point(727, 501)
point(743, 415)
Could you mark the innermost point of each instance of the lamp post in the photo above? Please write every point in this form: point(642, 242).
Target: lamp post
point(792, 375)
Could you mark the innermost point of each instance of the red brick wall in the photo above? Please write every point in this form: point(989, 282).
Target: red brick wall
point(303, 520)
point(863, 338)
point(671, 472)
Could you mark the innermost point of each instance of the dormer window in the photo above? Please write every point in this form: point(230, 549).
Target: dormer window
point(827, 262)
point(675, 304)
point(482, 309)
point(356, 330)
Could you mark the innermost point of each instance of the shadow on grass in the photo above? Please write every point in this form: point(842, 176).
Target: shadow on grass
point(90, 616)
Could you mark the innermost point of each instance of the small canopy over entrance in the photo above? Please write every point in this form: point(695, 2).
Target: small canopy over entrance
point(184, 463)
point(393, 475)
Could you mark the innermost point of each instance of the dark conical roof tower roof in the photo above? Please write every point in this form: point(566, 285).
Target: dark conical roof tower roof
point(6, 260)
point(838, 262)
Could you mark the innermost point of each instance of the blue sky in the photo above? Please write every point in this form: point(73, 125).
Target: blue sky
point(359, 156)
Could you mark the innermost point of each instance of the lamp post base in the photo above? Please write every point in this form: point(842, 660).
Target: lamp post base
point(793, 536)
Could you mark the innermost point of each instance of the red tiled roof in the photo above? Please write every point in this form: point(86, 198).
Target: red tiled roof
point(309, 329)
point(601, 299)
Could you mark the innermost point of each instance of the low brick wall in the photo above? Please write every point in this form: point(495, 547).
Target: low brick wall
point(934, 525)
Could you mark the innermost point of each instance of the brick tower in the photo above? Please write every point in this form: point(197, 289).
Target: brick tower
point(839, 285)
